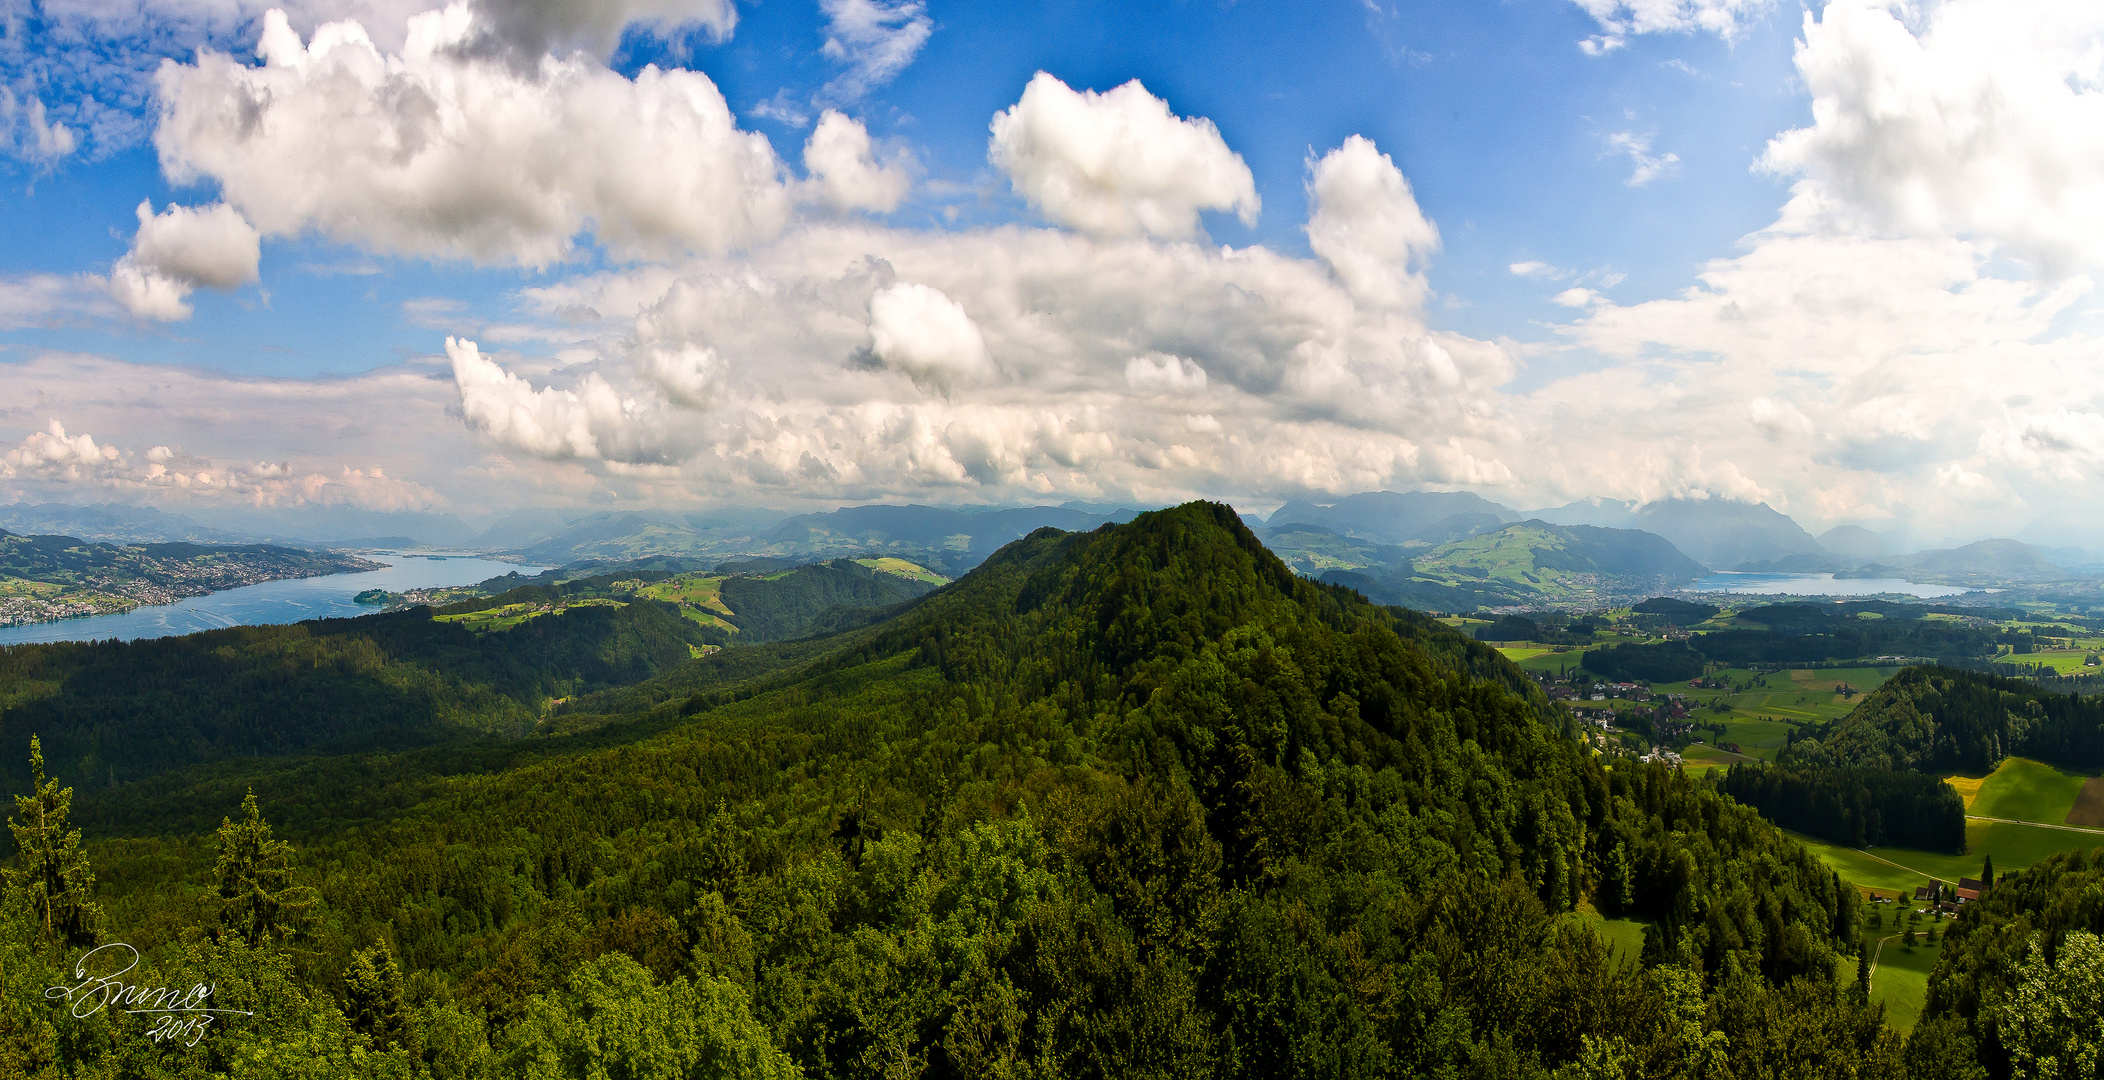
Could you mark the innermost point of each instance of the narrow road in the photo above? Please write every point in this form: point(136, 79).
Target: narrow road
point(2039, 824)
point(1889, 862)
point(1877, 956)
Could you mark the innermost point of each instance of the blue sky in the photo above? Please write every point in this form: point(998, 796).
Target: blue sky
point(1640, 286)
point(1500, 121)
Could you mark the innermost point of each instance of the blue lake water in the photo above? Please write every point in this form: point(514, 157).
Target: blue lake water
point(274, 601)
point(1817, 585)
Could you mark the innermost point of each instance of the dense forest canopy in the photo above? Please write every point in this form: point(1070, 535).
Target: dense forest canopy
point(1934, 719)
point(1127, 803)
point(1858, 808)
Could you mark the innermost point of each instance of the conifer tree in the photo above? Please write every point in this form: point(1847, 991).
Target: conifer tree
point(1863, 971)
point(1987, 873)
point(55, 873)
point(374, 985)
point(258, 903)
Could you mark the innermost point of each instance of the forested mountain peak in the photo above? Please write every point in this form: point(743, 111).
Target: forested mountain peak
point(1135, 802)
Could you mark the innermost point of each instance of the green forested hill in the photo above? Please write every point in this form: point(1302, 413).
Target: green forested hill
point(1939, 719)
point(818, 597)
point(2017, 988)
point(1137, 802)
point(111, 712)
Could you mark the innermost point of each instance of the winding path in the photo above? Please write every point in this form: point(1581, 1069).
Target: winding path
point(2037, 824)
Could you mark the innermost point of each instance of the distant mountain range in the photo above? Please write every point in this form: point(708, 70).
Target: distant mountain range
point(1718, 534)
point(1456, 550)
point(1430, 545)
point(1523, 562)
point(1397, 517)
point(111, 523)
point(948, 541)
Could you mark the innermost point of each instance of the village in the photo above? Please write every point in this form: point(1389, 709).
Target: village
point(1663, 720)
point(52, 578)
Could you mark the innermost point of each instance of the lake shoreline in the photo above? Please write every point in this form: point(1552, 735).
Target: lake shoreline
point(275, 602)
point(1816, 586)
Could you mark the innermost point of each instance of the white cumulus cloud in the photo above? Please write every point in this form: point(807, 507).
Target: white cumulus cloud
point(1118, 163)
point(1988, 123)
point(1647, 166)
point(182, 249)
point(845, 172)
point(1160, 373)
point(919, 331)
point(1366, 224)
point(1619, 19)
point(594, 421)
point(436, 150)
point(27, 130)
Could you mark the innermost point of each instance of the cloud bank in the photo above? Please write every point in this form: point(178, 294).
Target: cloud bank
point(392, 152)
point(1910, 339)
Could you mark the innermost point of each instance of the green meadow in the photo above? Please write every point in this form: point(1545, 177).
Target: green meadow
point(1901, 979)
point(1624, 936)
point(510, 615)
point(2025, 790)
point(699, 597)
point(1892, 870)
point(910, 570)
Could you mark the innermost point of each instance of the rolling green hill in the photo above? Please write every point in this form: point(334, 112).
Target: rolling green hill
point(1529, 562)
point(1936, 719)
point(112, 712)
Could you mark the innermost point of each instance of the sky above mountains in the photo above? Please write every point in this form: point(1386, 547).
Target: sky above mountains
point(679, 252)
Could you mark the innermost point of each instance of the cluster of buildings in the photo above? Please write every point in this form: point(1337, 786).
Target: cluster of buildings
point(140, 579)
point(1948, 898)
point(23, 610)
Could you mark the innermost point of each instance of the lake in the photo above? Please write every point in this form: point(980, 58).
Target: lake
point(287, 601)
point(1817, 585)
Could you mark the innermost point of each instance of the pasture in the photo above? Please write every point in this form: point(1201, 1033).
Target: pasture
point(699, 597)
point(1899, 870)
point(510, 615)
point(909, 570)
point(2024, 790)
point(1901, 979)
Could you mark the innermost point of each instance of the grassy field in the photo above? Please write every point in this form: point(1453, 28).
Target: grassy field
point(510, 615)
point(1705, 756)
point(1890, 870)
point(2064, 661)
point(1861, 869)
point(1901, 980)
point(909, 570)
point(1544, 657)
point(2026, 790)
point(699, 597)
point(1624, 936)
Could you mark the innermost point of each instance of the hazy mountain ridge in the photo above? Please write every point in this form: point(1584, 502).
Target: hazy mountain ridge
point(111, 523)
point(1721, 535)
point(1520, 563)
point(1372, 537)
point(944, 539)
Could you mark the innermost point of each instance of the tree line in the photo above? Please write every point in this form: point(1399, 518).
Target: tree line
point(1857, 808)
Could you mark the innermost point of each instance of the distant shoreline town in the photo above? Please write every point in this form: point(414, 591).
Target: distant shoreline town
point(47, 579)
